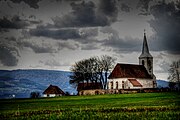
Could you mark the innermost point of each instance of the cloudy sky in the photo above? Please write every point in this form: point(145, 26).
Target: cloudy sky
point(54, 34)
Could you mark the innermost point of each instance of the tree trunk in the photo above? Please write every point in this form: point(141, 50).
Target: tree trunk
point(105, 81)
point(178, 81)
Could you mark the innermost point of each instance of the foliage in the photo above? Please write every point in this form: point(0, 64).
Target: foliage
point(34, 95)
point(117, 106)
point(174, 73)
point(67, 93)
point(94, 69)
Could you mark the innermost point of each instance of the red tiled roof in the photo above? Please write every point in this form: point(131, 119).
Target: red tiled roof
point(129, 71)
point(87, 86)
point(53, 90)
point(135, 83)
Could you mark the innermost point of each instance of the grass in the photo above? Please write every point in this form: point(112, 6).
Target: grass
point(118, 106)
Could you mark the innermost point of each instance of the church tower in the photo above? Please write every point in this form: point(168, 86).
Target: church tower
point(146, 58)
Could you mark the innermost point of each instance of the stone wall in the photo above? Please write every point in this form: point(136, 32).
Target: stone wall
point(116, 91)
point(92, 92)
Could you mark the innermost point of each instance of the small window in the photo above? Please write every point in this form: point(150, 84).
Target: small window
point(112, 85)
point(122, 84)
point(117, 85)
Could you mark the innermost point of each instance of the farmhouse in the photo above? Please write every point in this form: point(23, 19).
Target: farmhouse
point(53, 91)
point(131, 76)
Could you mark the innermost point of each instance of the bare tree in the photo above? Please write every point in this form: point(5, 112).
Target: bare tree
point(174, 72)
point(106, 63)
point(94, 69)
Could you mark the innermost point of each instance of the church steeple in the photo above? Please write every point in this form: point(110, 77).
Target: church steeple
point(146, 58)
point(145, 49)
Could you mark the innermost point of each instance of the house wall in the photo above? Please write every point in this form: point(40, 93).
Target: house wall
point(118, 83)
point(49, 95)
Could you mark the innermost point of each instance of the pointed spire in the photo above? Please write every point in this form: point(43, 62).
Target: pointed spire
point(145, 49)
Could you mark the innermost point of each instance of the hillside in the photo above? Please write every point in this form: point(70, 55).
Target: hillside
point(162, 83)
point(22, 82)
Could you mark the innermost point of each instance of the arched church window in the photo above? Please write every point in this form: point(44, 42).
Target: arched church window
point(149, 62)
point(142, 62)
point(149, 65)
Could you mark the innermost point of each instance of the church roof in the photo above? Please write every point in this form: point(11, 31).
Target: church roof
point(135, 83)
point(53, 90)
point(145, 49)
point(129, 71)
point(87, 86)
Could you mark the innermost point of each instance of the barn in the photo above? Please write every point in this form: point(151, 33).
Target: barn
point(53, 91)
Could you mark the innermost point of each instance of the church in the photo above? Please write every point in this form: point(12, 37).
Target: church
point(134, 76)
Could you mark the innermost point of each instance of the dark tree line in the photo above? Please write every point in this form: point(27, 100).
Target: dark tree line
point(92, 70)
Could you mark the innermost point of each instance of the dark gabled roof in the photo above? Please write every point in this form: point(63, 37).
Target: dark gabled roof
point(135, 83)
point(129, 71)
point(53, 90)
point(88, 86)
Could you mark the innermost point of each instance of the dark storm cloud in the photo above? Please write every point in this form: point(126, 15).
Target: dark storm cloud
point(68, 45)
point(83, 18)
point(109, 9)
point(44, 48)
point(79, 34)
point(31, 3)
point(125, 7)
point(127, 44)
point(14, 23)
point(7, 56)
point(56, 34)
point(67, 0)
point(83, 15)
point(87, 14)
point(90, 46)
point(143, 5)
point(9, 51)
point(166, 24)
point(80, 38)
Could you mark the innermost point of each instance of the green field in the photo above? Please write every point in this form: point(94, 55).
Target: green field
point(118, 106)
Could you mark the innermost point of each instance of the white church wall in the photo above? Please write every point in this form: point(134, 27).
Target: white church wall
point(130, 86)
point(118, 81)
point(146, 83)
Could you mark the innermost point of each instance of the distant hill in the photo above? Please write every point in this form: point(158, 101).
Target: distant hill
point(162, 83)
point(22, 82)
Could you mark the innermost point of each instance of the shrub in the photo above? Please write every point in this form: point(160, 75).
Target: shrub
point(34, 95)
